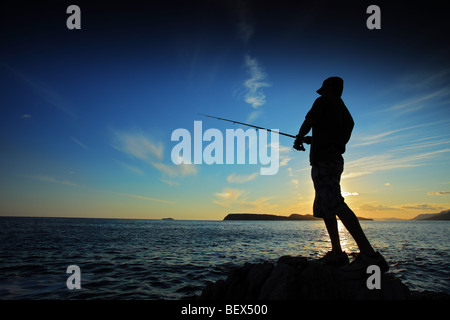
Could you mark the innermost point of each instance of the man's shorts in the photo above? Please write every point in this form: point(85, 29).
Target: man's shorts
point(326, 177)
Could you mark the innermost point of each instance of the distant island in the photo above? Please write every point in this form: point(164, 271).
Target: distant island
point(167, 218)
point(443, 215)
point(272, 217)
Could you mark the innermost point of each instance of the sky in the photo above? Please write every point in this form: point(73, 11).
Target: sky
point(86, 115)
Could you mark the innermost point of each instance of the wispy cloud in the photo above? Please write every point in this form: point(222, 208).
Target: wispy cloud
point(370, 207)
point(254, 94)
point(139, 197)
point(253, 86)
point(254, 115)
point(388, 161)
point(245, 30)
point(244, 27)
point(45, 91)
point(365, 140)
point(286, 154)
point(235, 178)
point(170, 183)
point(419, 206)
point(239, 199)
point(136, 144)
point(421, 145)
point(79, 143)
point(228, 197)
point(172, 170)
point(130, 167)
point(419, 99)
point(428, 79)
point(51, 179)
point(411, 105)
point(438, 193)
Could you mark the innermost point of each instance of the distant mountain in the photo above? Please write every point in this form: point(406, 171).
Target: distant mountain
point(443, 215)
point(391, 219)
point(364, 219)
point(254, 216)
point(272, 217)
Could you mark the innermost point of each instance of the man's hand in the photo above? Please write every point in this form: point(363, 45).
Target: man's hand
point(307, 139)
point(298, 143)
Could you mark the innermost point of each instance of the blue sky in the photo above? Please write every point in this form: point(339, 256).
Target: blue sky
point(86, 115)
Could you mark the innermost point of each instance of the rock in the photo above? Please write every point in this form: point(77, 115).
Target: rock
point(296, 278)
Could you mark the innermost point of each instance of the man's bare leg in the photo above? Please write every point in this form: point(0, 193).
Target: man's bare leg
point(351, 223)
point(332, 228)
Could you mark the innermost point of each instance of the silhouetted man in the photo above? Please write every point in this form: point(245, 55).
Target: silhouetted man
point(332, 125)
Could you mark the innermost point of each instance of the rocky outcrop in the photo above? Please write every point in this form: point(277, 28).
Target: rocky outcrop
point(298, 278)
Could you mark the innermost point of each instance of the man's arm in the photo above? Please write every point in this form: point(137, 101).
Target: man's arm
point(306, 126)
point(300, 138)
point(310, 119)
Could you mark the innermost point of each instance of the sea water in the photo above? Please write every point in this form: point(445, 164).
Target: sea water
point(163, 259)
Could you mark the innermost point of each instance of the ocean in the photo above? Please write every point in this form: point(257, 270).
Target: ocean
point(172, 260)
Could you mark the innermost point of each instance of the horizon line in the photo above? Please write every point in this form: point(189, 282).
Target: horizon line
point(173, 219)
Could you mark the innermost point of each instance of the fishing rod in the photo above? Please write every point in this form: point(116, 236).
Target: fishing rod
point(307, 141)
point(248, 125)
